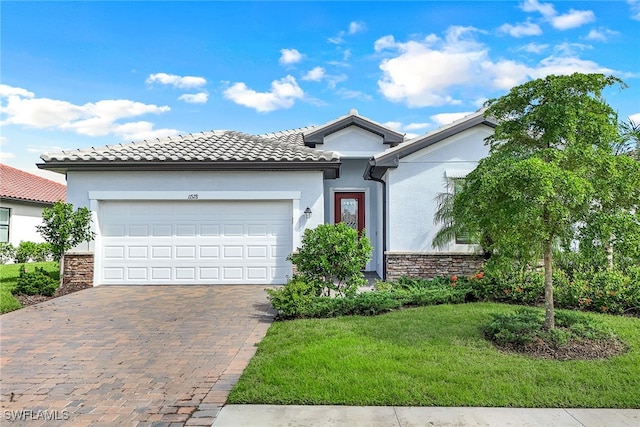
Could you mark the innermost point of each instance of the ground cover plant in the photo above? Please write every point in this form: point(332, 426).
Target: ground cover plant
point(10, 275)
point(431, 356)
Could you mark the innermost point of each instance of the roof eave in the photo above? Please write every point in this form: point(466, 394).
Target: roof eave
point(331, 168)
point(412, 147)
point(316, 136)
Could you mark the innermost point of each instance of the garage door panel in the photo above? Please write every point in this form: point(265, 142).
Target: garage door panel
point(257, 252)
point(114, 252)
point(137, 230)
point(137, 273)
point(161, 252)
point(138, 252)
point(195, 242)
point(161, 273)
point(209, 252)
point(186, 230)
point(232, 273)
point(186, 252)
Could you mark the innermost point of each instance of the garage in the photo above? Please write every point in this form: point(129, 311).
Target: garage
point(199, 242)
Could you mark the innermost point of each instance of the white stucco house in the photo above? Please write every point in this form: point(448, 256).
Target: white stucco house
point(225, 207)
point(23, 196)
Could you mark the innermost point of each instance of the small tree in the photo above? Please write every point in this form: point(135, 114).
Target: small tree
point(63, 228)
point(540, 177)
point(333, 256)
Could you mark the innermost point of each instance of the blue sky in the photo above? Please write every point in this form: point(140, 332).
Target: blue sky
point(82, 74)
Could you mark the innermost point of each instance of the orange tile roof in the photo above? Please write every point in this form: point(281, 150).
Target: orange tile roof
point(21, 185)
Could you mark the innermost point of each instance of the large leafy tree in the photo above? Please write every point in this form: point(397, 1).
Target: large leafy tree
point(539, 179)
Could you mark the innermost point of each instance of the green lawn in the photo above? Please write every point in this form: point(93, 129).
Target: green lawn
point(9, 276)
point(429, 356)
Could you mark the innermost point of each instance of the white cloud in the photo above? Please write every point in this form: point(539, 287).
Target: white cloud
point(137, 131)
point(354, 94)
point(283, 94)
point(4, 155)
point(546, 9)
point(567, 65)
point(315, 75)
point(195, 98)
point(39, 149)
point(422, 74)
point(635, 117)
point(92, 119)
point(521, 30)
point(506, 73)
point(182, 82)
point(356, 27)
point(397, 126)
point(432, 71)
point(289, 56)
point(7, 91)
point(534, 48)
point(634, 5)
point(601, 34)
point(573, 19)
point(446, 118)
point(417, 126)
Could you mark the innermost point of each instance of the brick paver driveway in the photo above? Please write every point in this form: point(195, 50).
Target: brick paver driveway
point(152, 355)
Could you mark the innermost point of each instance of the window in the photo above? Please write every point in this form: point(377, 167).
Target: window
point(5, 214)
point(461, 238)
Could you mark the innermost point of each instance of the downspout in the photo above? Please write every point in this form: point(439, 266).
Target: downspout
point(384, 222)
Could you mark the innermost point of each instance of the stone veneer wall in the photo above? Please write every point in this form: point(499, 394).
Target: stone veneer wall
point(427, 266)
point(78, 271)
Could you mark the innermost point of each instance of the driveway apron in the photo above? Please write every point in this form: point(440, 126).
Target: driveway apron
point(129, 355)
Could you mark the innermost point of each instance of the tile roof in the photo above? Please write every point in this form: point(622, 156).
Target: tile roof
point(214, 146)
point(20, 185)
point(292, 136)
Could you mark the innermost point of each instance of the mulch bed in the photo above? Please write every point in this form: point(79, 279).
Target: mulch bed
point(574, 350)
point(65, 289)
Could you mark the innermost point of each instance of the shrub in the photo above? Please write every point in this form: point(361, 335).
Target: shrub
point(7, 252)
point(292, 299)
point(25, 252)
point(607, 291)
point(36, 282)
point(364, 304)
point(42, 252)
point(525, 326)
point(334, 255)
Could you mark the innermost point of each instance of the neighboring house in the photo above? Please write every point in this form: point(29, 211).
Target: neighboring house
point(228, 207)
point(23, 196)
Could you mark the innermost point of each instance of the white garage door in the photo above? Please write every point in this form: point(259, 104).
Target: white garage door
point(195, 242)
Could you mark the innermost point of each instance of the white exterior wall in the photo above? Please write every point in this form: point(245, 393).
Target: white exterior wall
point(353, 142)
point(23, 221)
point(306, 187)
point(415, 184)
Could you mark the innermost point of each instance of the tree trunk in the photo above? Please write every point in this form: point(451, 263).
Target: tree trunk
point(610, 255)
point(549, 315)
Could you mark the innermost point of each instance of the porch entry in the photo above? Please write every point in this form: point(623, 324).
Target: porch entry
point(349, 209)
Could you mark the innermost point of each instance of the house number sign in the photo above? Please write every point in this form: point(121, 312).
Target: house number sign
point(192, 197)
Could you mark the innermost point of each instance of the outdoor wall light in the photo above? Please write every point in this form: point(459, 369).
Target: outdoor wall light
point(307, 213)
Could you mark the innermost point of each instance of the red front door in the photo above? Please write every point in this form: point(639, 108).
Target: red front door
point(349, 208)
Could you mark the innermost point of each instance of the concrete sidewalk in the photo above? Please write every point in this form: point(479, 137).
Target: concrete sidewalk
point(384, 416)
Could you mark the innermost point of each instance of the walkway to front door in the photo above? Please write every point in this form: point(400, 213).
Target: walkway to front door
point(128, 355)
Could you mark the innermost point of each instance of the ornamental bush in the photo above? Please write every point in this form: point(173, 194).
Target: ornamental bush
point(36, 282)
point(33, 252)
point(334, 255)
point(7, 252)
